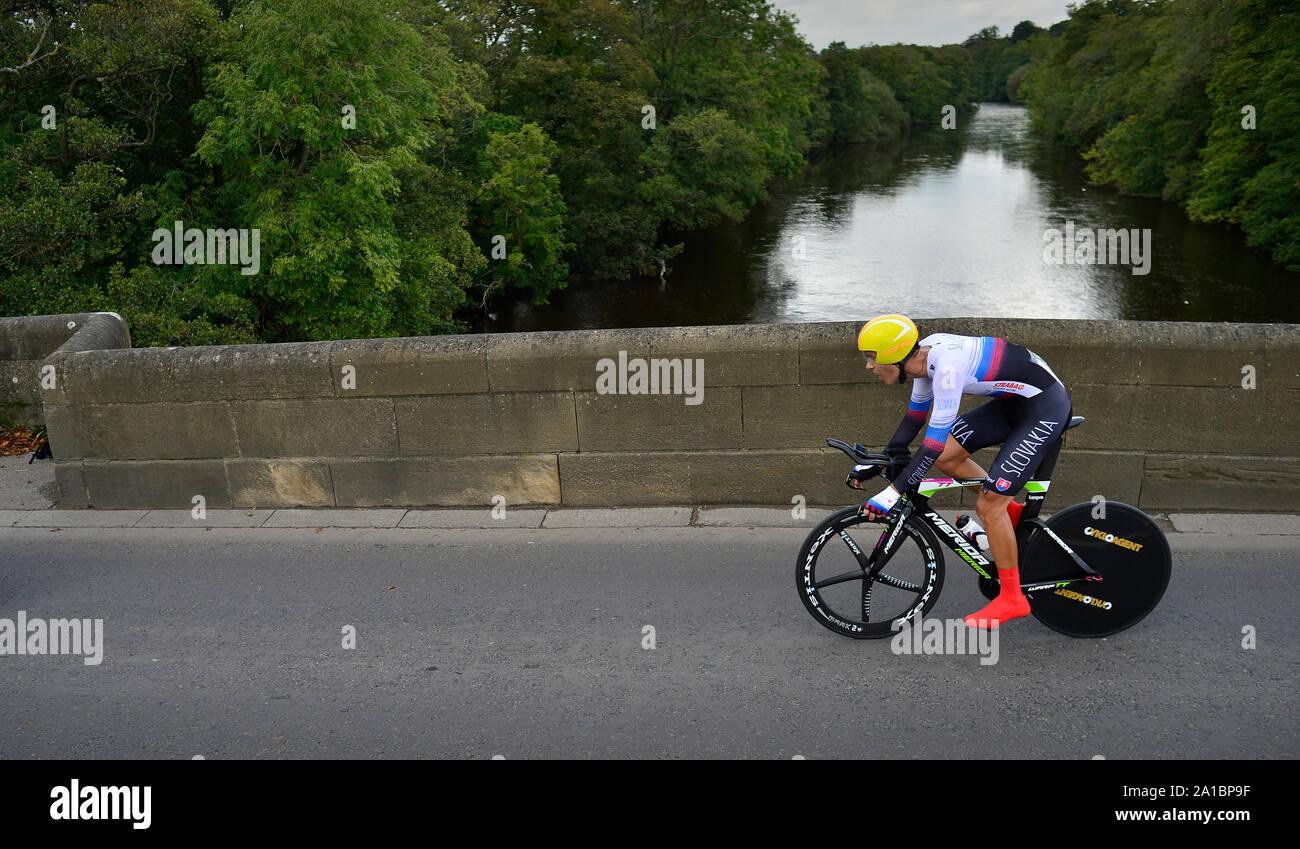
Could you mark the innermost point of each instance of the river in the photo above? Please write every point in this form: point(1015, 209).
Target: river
point(941, 223)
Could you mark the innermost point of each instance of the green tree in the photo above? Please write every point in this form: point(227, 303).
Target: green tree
point(521, 201)
point(1154, 94)
point(574, 68)
point(860, 107)
point(702, 168)
point(1078, 86)
point(94, 138)
point(1155, 150)
point(1251, 177)
point(917, 82)
point(1024, 30)
point(340, 257)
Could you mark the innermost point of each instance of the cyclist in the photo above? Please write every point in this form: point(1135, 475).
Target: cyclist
point(1029, 410)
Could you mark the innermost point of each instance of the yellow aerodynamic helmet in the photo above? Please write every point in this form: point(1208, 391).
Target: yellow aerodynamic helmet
point(892, 337)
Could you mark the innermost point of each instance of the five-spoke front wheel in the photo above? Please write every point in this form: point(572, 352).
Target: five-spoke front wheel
point(832, 576)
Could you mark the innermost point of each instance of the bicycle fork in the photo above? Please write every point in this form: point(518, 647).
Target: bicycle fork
point(884, 548)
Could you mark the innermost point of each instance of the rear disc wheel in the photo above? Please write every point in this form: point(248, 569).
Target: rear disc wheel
point(1126, 548)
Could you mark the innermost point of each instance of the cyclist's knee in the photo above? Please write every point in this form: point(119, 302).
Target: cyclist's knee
point(952, 457)
point(989, 503)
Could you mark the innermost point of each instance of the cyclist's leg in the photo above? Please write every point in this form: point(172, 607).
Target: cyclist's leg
point(988, 424)
point(955, 462)
point(991, 507)
point(1039, 422)
point(1043, 420)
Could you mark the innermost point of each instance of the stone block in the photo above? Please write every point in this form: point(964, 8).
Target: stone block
point(513, 423)
point(446, 481)
point(359, 427)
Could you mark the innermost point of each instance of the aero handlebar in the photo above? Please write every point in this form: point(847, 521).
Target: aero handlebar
point(858, 454)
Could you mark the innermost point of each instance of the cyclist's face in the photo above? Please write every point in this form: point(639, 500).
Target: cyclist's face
point(888, 374)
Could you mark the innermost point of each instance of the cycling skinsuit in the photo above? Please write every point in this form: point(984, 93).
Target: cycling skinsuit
point(1029, 410)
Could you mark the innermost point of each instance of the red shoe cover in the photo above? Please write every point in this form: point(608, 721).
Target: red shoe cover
point(1013, 510)
point(1007, 606)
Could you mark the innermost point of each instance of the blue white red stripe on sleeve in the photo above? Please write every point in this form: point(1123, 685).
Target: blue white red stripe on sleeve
point(990, 358)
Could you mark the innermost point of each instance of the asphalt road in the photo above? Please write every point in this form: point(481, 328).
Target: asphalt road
point(227, 643)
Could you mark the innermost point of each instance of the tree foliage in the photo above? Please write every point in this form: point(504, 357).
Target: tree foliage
point(1191, 101)
point(327, 197)
point(407, 161)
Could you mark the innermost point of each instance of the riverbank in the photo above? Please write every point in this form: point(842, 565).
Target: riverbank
point(941, 222)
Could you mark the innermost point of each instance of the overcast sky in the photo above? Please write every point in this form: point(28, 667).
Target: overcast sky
point(934, 22)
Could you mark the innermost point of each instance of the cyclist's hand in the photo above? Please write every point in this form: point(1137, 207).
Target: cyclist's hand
point(879, 505)
point(860, 475)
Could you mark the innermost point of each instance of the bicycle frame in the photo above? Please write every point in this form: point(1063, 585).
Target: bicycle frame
point(1036, 490)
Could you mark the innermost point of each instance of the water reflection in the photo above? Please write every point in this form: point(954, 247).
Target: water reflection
point(942, 223)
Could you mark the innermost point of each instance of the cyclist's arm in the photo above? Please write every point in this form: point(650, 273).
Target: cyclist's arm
point(917, 409)
point(948, 383)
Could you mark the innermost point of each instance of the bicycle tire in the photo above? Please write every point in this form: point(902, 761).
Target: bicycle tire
point(921, 559)
point(1125, 547)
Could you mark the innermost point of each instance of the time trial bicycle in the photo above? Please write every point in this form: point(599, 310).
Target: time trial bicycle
point(1088, 571)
